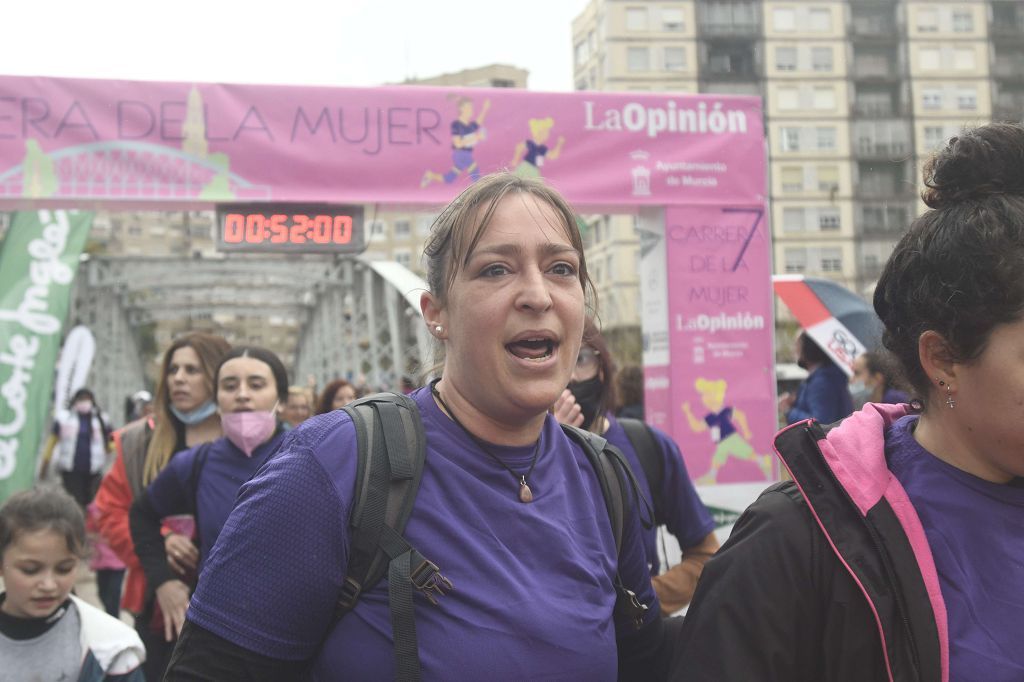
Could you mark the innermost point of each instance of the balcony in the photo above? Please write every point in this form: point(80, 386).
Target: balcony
point(1008, 111)
point(876, 69)
point(879, 110)
point(883, 191)
point(750, 29)
point(874, 27)
point(884, 221)
point(882, 150)
point(1008, 29)
point(1008, 68)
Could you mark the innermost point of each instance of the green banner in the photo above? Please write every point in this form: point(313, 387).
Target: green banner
point(38, 260)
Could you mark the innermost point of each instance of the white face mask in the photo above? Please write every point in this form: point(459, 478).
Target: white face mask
point(860, 393)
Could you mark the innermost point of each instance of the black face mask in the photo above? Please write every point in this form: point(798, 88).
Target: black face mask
point(588, 397)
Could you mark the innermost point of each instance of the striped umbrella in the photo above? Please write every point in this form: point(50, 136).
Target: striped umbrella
point(842, 323)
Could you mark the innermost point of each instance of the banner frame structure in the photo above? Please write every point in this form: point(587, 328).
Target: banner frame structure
point(161, 145)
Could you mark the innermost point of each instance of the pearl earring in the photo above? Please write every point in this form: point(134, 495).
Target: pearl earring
point(438, 328)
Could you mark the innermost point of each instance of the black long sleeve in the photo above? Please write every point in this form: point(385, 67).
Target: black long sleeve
point(144, 522)
point(201, 656)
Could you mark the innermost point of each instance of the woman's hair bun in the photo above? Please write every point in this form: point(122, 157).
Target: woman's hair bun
point(976, 164)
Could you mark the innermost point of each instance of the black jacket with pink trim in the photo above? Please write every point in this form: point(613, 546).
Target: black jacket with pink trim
point(827, 577)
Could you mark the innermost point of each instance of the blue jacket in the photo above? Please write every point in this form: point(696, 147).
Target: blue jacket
point(824, 396)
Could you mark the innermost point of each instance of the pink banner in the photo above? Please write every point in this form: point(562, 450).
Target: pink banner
point(716, 395)
point(69, 140)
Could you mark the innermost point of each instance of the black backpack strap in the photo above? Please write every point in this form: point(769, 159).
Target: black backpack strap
point(621, 493)
point(649, 453)
point(391, 450)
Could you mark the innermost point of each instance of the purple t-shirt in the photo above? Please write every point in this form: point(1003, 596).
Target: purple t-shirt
point(975, 529)
point(225, 470)
point(686, 516)
point(532, 597)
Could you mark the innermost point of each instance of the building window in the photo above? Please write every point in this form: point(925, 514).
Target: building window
point(963, 21)
point(403, 257)
point(927, 21)
point(826, 138)
point(930, 59)
point(785, 58)
point(831, 260)
point(828, 178)
point(671, 19)
point(790, 139)
point(825, 98)
point(934, 136)
point(963, 59)
point(931, 99)
point(788, 98)
point(582, 53)
point(792, 220)
point(402, 229)
point(638, 59)
point(675, 59)
point(821, 59)
point(636, 18)
point(796, 260)
point(828, 219)
point(376, 229)
point(784, 19)
point(792, 178)
point(966, 100)
point(820, 20)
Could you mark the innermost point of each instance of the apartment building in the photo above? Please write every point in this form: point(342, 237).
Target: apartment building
point(857, 94)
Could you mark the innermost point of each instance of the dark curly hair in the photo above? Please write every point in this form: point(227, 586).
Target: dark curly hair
point(958, 270)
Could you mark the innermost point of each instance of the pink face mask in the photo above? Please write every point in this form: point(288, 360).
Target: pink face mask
point(248, 430)
point(83, 406)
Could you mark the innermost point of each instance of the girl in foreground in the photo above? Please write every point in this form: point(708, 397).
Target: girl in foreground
point(46, 633)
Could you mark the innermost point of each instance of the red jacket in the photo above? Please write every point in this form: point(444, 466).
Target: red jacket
point(114, 498)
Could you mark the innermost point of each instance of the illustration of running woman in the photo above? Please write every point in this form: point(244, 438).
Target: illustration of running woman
point(529, 156)
point(721, 421)
point(466, 133)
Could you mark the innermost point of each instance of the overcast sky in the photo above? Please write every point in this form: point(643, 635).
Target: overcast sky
point(339, 42)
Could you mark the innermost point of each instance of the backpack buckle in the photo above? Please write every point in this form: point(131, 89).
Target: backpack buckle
point(428, 580)
point(350, 591)
point(634, 608)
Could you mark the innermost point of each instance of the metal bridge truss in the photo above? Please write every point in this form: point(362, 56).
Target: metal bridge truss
point(366, 325)
point(354, 319)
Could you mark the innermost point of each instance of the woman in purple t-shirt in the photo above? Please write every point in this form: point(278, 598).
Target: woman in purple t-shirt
point(507, 504)
point(897, 551)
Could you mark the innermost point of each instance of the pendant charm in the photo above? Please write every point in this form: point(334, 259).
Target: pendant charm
point(525, 494)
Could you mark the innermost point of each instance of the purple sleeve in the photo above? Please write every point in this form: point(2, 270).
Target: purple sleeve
point(273, 578)
point(686, 517)
point(169, 493)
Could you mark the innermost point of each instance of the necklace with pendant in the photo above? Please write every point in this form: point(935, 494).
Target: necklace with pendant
point(525, 494)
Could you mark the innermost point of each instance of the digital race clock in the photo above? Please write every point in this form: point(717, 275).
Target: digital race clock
point(295, 228)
